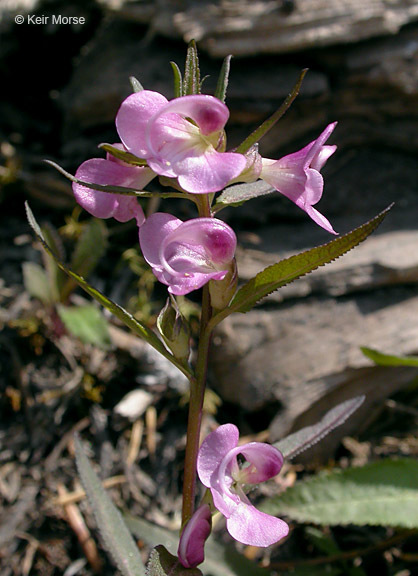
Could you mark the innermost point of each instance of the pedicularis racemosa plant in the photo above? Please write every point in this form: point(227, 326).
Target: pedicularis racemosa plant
point(182, 142)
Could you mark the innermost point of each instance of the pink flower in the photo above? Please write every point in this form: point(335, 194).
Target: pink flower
point(180, 139)
point(112, 172)
point(218, 470)
point(191, 550)
point(297, 176)
point(186, 255)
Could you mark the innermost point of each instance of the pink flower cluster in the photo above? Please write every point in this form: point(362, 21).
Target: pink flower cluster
point(184, 140)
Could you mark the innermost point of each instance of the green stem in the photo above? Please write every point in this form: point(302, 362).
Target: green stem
point(197, 393)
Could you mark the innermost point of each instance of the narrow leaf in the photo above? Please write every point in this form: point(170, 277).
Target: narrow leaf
point(222, 84)
point(388, 359)
point(116, 535)
point(162, 563)
point(383, 493)
point(284, 272)
point(123, 155)
point(220, 560)
point(191, 83)
point(268, 124)
point(86, 323)
point(140, 329)
point(136, 84)
point(178, 81)
point(239, 193)
point(101, 187)
point(307, 437)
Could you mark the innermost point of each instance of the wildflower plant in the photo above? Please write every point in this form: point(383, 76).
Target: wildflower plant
point(182, 143)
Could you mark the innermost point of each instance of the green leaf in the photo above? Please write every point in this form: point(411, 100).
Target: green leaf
point(178, 82)
point(268, 124)
point(36, 282)
point(116, 535)
point(86, 323)
point(136, 84)
point(124, 316)
point(239, 193)
point(56, 277)
point(220, 560)
point(384, 493)
point(388, 359)
point(101, 187)
point(191, 82)
point(284, 272)
point(123, 155)
point(307, 437)
point(162, 563)
point(222, 84)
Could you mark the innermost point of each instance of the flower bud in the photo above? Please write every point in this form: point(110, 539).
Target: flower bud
point(191, 551)
point(175, 330)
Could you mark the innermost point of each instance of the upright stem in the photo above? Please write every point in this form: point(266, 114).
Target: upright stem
point(197, 394)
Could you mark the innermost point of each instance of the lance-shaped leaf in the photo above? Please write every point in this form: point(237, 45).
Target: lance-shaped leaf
point(306, 437)
point(123, 155)
point(135, 84)
point(268, 124)
point(178, 81)
point(239, 193)
point(388, 359)
point(86, 323)
point(116, 536)
point(285, 271)
point(191, 82)
point(140, 329)
point(383, 493)
point(222, 84)
point(162, 563)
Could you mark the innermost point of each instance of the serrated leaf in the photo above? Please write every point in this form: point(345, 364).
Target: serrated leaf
point(86, 323)
point(268, 124)
point(36, 282)
point(284, 272)
point(123, 155)
point(384, 493)
point(116, 535)
point(388, 359)
point(162, 563)
point(303, 439)
point(220, 560)
point(223, 78)
point(191, 82)
point(137, 327)
point(239, 193)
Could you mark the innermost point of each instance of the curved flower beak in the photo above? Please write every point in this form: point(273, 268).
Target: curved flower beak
point(180, 139)
point(186, 255)
point(297, 176)
point(218, 470)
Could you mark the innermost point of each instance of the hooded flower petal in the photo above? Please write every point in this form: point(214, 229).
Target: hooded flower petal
point(111, 172)
point(186, 255)
point(180, 138)
point(191, 550)
point(218, 470)
point(298, 178)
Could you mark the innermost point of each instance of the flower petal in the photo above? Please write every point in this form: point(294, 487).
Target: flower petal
point(213, 450)
point(264, 460)
point(133, 117)
point(107, 205)
point(254, 528)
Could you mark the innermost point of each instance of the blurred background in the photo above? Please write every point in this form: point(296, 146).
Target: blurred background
point(272, 370)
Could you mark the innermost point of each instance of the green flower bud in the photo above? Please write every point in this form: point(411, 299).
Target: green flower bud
point(175, 330)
